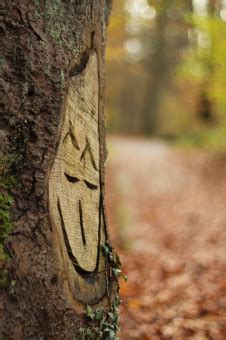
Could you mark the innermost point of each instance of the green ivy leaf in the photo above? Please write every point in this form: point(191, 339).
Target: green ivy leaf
point(125, 278)
point(89, 312)
point(112, 335)
point(117, 272)
point(99, 314)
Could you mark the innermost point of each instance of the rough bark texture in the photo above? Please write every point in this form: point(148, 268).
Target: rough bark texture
point(45, 43)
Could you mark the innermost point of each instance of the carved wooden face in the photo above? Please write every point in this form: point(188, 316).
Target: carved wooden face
point(74, 186)
point(79, 164)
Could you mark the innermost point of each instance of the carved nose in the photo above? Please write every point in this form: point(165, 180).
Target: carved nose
point(81, 222)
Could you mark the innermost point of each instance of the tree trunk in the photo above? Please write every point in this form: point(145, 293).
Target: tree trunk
point(205, 109)
point(56, 260)
point(165, 56)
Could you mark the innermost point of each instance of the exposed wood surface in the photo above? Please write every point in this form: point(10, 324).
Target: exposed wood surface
point(74, 187)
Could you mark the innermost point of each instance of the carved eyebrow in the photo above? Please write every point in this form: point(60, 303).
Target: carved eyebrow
point(74, 141)
point(88, 148)
point(71, 179)
point(72, 136)
point(91, 185)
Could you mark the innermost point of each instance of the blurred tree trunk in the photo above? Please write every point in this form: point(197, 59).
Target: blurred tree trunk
point(165, 56)
point(156, 68)
point(205, 106)
point(52, 126)
point(213, 7)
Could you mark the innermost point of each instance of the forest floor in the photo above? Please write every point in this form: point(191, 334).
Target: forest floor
point(167, 215)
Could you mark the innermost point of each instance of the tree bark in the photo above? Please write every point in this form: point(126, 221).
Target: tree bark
point(52, 189)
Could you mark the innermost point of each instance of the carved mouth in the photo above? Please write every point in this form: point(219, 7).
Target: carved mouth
point(84, 273)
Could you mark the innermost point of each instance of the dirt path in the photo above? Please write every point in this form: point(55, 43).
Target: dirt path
point(169, 206)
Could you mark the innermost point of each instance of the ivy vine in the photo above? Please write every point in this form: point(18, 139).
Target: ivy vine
point(102, 324)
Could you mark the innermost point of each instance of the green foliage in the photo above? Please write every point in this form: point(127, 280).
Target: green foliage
point(181, 59)
point(102, 324)
point(205, 59)
point(212, 138)
point(113, 260)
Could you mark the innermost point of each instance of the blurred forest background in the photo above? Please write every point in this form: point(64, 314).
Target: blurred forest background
point(166, 172)
point(166, 70)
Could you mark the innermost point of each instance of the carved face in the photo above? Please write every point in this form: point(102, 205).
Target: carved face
point(78, 193)
point(74, 186)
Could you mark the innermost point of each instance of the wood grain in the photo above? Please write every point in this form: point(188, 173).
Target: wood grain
point(74, 187)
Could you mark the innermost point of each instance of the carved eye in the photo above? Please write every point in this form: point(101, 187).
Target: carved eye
point(91, 185)
point(71, 178)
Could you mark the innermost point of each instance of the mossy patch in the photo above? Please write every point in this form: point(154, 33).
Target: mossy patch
point(7, 182)
point(6, 202)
